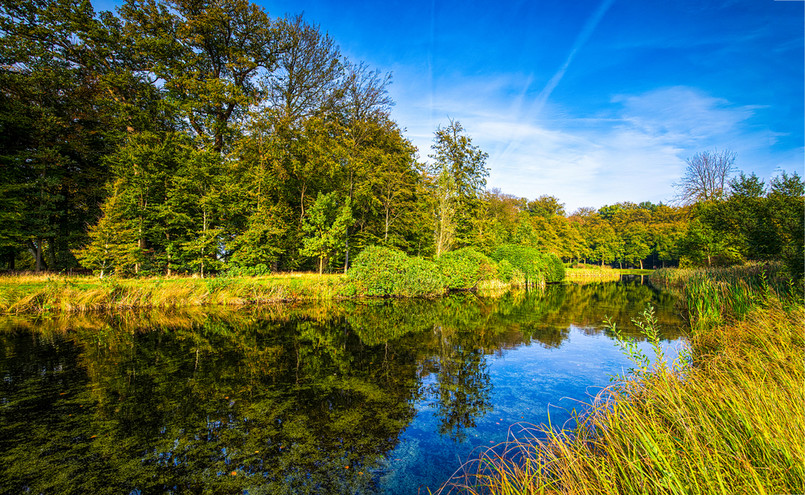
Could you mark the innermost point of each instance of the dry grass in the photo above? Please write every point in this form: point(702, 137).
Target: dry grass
point(60, 293)
point(588, 275)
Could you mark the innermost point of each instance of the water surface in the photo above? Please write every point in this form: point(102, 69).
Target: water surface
point(369, 397)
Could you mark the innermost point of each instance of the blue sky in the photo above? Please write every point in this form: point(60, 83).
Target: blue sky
point(593, 102)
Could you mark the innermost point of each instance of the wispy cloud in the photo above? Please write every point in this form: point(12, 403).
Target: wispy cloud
point(581, 39)
point(632, 151)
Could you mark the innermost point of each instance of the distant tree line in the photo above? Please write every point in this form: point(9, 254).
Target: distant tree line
point(182, 136)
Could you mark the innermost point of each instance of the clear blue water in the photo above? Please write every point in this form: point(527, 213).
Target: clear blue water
point(370, 397)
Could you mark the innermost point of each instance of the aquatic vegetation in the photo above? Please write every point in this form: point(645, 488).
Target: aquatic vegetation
point(731, 423)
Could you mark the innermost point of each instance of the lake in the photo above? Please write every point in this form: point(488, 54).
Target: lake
point(357, 397)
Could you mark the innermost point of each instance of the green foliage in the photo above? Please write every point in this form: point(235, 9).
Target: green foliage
point(326, 227)
point(380, 271)
point(464, 268)
point(258, 270)
point(460, 173)
point(113, 242)
point(535, 266)
point(553, 268)
point(506, 272)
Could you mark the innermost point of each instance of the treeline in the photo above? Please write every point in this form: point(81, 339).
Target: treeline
point(201, 137)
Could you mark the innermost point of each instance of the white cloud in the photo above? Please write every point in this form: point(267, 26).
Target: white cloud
point(634, 150)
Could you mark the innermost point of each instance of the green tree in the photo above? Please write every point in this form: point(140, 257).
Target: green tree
point(325, 227)
point(786, 203)
point(209, 58)
point(58, 119)
point(113, 240)
point(459, 172)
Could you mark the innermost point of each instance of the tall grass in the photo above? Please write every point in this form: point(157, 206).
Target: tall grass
point(733, 422)
point(44, 294)
point(716, 296)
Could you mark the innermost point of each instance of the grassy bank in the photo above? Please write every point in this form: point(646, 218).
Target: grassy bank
point(49, 293)
point(733, 422)
point(587, 275)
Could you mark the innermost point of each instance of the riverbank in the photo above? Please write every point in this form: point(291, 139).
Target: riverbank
point(731, 422)
point(60, 293)
point(74, 293)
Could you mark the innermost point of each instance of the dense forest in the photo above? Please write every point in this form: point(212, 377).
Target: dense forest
point(184, 136)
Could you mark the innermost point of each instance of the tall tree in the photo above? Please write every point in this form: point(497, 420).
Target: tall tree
point(113, 240)
point(209, 56)
point(706, 176)
point(460, 173)
point(60, 84)
point(325, 227)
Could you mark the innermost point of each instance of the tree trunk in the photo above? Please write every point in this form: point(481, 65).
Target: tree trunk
point(641, 264)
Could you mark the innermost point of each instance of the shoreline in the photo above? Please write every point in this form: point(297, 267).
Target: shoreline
point(49, 293)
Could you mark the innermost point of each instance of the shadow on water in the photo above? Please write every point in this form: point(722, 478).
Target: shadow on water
point(281, 399)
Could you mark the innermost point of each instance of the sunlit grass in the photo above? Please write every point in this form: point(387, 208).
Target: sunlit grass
point(733, 422)
point(61, 293)
point(586, 275)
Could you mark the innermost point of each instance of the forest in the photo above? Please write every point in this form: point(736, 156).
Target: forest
point(195, 137)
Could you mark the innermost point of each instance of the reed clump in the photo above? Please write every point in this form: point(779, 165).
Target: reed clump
point(733, 421)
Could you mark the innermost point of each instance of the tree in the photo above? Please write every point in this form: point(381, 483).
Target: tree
point(460, 173)
point(113, 240)
point(706, 176)
point(58, 107)
point(326, 226)
point(546, 206)
point(209, 58)
point(786, 200)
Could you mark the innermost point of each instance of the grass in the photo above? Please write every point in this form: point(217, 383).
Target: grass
point(59, 293)
point(596, 274)
point(733, 422)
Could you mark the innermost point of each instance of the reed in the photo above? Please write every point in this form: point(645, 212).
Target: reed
point(732, 422)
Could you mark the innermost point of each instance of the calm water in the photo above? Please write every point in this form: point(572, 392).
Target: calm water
point(363, 397)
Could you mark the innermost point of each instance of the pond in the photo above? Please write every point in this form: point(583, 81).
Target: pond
point(358, 397)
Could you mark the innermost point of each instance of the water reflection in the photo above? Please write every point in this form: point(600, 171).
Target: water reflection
point(303, 399)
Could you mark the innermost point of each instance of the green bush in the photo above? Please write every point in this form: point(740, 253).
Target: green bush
point(464, 268)
point(420, 278)
point(380, 271)
point(554, 268)
point(247, 271)
point(534, 265)
point(525, 259)
point(506, 271)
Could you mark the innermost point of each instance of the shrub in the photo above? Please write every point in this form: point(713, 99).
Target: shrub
point(525, 259)
point(248, 271)
point(420, 278)
point(464, 268)
point(554, 268)
point(505, 271)
point(534, 265)
point(380, 271)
